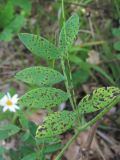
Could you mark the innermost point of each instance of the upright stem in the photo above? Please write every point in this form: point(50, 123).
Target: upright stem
point(70, 74)
point(93, 121)
point(67, 84)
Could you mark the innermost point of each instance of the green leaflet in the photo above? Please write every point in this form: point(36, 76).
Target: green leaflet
point(12, 28)
point(6, 14)
point(69, 32)
point(39, 46)
point(44, 97)
point(26, 5)
point(40, 76)
point(52, 148)
point(55, 124)
point(8, 130)
point(98, 99)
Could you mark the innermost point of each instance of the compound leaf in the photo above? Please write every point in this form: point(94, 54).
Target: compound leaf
point(98, 99)
point(40, 76)
point(69, 32)
point(56, 123)
point(44, 97)
point(39, 46)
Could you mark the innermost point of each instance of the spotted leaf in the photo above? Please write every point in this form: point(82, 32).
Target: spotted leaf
point(69, 32)
point(98, 99)
point(55, 124)
point(44, 97)
point(40, 76)
point(39, 46)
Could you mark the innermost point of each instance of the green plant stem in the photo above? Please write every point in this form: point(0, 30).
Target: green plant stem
point(66, 83)
point(70, 74)
point(93, 121)
point(71, 82)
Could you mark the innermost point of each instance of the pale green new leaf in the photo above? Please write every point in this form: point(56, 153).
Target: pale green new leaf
point(68, 33)
point(41, 76)
point(44, 97)
point(98, 99)
point(56, 123)
point(39, 46)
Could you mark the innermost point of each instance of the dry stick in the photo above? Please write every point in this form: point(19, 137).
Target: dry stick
point(90, 137)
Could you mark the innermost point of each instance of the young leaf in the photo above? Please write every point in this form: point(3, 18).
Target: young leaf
point(44, 97)
point(24, 136)
point(40, 76)
point(99, 99)
point(6, 14)
point(39, 46)
point(12, 28)
point(55, 124)
point(8, 130)
point(69, 32)
point(23, 120)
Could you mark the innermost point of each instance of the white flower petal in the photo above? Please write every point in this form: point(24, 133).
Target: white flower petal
point(15, 98)
point(9, 103)
point(8, 95)
point(12, 109)
point(3, 101)
point(16, 107)
point(5, 108)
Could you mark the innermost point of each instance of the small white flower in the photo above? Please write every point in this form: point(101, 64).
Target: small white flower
point(9, 103)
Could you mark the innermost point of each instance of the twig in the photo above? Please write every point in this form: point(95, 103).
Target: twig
point(91, 135)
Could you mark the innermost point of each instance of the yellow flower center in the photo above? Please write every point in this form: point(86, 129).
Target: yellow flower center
point(9, 103)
